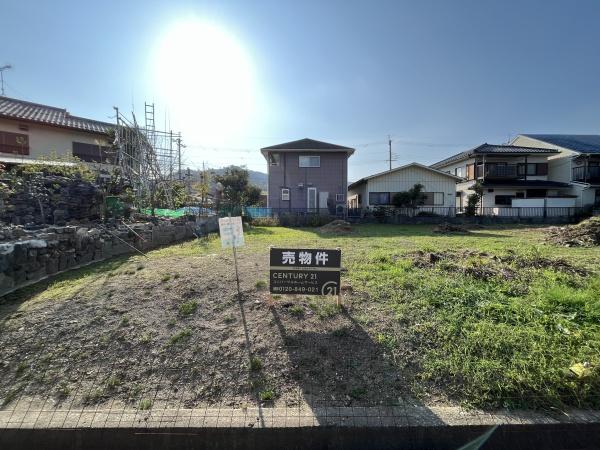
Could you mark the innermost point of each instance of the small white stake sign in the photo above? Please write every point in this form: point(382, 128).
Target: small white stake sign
point(232, 232)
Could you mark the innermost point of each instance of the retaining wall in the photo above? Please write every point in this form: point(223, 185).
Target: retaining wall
point(39, 254)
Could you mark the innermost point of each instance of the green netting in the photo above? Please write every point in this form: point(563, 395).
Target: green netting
point(165, 212)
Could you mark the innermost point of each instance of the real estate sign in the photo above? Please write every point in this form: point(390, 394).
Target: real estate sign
point(305, 271)
point(232, 232)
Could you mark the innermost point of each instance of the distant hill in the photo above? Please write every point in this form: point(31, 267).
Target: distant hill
point(256, 178)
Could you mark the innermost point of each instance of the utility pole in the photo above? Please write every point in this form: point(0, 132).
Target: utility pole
point(390, 147)
point(179, 154)
point(2, 69)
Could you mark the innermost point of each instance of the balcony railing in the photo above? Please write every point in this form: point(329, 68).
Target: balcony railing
point(501, 171)
point(586, 174)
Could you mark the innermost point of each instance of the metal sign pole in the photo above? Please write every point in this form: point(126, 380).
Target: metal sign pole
point(237, 276)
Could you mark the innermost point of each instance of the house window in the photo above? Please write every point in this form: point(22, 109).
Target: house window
point(458, 171)
point(340, 198)
point(14, 143)
point(309, 161)
point(433, 198)
point(379, 198)
point(504, 200)
point(532, 169)
point(91, 152)
point(274, 159)
point(285, 194)
point(470, 171)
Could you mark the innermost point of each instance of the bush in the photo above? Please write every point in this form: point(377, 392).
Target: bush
point(265, 221)
point(304, 220)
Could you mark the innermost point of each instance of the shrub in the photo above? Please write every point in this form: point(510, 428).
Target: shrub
point(265, 221)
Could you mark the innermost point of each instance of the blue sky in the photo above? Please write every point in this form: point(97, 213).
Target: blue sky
point(439, 76)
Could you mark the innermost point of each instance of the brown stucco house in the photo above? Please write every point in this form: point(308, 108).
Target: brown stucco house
point(307, 176)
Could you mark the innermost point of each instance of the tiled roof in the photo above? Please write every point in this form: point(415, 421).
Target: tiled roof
point(486, 149)
point(306, 144)
point(49, 115)
point(582, 143)
point(413, 164)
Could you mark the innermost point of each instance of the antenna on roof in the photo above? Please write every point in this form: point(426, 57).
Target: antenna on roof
point(2, 69)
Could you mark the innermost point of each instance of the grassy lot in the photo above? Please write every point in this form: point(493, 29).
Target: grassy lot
point(495, 317)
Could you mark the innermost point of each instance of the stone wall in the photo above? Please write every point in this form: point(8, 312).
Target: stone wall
point(27, 256)
point(59, 198)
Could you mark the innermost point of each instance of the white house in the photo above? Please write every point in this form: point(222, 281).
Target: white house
point(30, 131)
point(511, 176)
point(576, 162)
point(379, 189)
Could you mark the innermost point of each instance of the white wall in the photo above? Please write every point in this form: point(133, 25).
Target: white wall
point(404, 179)
point(559, 165)
point(45, 140)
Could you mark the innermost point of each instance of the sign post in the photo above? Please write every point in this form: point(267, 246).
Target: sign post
point(232, 235)
point(305, 271)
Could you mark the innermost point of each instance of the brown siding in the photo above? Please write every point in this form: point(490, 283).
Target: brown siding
point(331, 177)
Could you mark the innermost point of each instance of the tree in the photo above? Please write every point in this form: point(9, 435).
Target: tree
point(409, 199)
point(474, 199)
point(237, 190)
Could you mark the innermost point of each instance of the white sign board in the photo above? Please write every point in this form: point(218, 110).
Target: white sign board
point(232, 232)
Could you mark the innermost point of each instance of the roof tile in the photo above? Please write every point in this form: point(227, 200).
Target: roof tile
point(49, 115)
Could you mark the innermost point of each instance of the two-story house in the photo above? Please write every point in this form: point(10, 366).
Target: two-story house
point(307, 176)
point(511, 176)
point(576, 162)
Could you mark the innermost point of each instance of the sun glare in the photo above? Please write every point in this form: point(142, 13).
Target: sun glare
point(205, 77)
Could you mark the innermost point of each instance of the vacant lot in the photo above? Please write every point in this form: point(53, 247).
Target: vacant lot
point(494, 317)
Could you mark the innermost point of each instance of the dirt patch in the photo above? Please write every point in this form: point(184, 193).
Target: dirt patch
point(484, 266)
point(172, 331)
point(337, 227)
point(584, 234)
point(449, 228)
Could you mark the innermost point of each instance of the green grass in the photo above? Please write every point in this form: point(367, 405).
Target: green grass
point(268, 395)
point(494, 322)
point(145, 404)
point(188, 308)
point(255, 364)
point(179, 338)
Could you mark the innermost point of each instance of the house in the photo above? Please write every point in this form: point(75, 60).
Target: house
point(30, 131)
point(379, 189)
point(511, 176)
point(307, 175)
point(577, 162)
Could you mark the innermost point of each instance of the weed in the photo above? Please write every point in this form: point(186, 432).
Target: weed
point(176, 276)
point(113, 382)
point(188, 308)
point(171, 323)
point(178, 338)
point(166, 277)
point(93, 397)
point(324, 308)
point(255, 363)
point(388, 341)
point(297, 311)
point(145, 404)
point(229, 319)
point(261, 284)
point(63, 390)
point(268, 395)
point(145, 338)
point(139, 267)
point(10, 396)
point(341, 332)
point(135, 391)
point(125, 321)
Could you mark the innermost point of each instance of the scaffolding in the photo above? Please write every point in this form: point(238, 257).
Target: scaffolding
point(148, 158)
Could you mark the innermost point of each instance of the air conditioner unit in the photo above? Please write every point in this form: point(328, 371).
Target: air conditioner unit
point(300, 185)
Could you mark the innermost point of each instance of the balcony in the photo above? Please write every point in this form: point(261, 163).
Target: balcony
point(499, 171)
point(586, 174)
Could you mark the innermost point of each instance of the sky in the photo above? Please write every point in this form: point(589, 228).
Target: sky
point(439, 77)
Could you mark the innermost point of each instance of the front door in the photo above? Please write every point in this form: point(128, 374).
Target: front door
point(323, 196)
point(311, 198)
